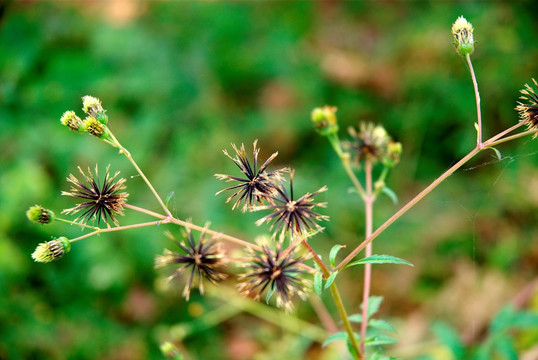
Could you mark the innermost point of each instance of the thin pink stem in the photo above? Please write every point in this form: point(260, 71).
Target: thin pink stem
point(118, 228)
point(369, 206)
point(408, 206)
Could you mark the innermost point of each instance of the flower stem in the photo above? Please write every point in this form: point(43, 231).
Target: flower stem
point(118, 228)
point(343, 316)
point(76, 223)
point(369, 206)
point(408, 206)
point(127, 154)
point(345, 159)
point(189, 225)
point(477, 98)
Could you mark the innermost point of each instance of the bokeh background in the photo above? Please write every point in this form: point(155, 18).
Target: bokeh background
point(181, 81)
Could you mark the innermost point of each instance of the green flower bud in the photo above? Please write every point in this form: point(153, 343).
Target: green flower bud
point(39, 214)
point(463, 36)
point(394, 151)
point(51, 250)
point(72, 121)
point(92, 106)
point(95, 127)
point(324, 120)
point(170, 351)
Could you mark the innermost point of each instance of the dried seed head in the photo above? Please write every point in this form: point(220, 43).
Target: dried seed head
point(257, 186)
point(289, 214)
point(369, 143)
point(52, 250)
point(72, 121)
point(463, 36)
point(102, 201)
point(202, 259)
point(39, 214)
point(324, 120)
point(528, 112)
point(278, 274)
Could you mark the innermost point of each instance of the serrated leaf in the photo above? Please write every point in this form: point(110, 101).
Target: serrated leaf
point(341, 335)
point(330, 280)
point(381, 325)
point(380, 340)
point(390, 193)
point(497, 152)
point(318, 283)
point(374, 303)
point(332, 255)
point(379, 259)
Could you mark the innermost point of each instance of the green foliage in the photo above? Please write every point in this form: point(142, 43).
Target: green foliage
point(181, 90)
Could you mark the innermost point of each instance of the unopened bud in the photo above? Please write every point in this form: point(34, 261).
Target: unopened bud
point(51, 250)
point(72, 121)
point(324, 120)
point(92, 106)
point(95, 127)
point(463, 36)
point(40, 215)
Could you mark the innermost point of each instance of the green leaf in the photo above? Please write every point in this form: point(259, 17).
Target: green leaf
point(381, 325)
point(270, 293)
point(374, 303)
point(167, 200)
point(379, 259)
point(341, 335)
point(318, 283)
point(356, 318)
point(333, 253)
point(330, 280)
point(505, 346)
point(390, 193)
point(450, 338)
point(380, 340)
point(497, 152)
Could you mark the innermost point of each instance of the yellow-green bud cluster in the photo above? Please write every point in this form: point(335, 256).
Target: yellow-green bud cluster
point(92, 106)
point(170, 351)
point(39, 214)
point(94, 124)
point(324, 120)
point(463, 36)
point(373, 143)
point(51, 250)
point(72, 121)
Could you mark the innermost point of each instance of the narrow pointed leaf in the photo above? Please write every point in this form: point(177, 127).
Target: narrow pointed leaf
point(379, 259)
point(391, 194)
point(318, 283)
point(333, 253)
point(330, 280)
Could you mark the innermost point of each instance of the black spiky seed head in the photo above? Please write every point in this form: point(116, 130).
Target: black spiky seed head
point(257, 185)
point(290, 214)
point(102, 201)
point(276, 273)
point(202, 260)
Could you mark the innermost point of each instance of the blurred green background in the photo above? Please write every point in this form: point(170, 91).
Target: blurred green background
point(181, 81)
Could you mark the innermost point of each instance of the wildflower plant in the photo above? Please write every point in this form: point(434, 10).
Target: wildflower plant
point(286, 267)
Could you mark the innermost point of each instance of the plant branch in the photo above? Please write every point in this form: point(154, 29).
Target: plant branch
point(343, 315)
point(118, 228)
